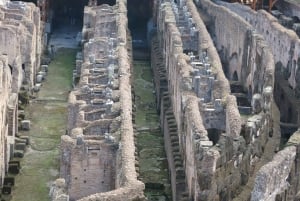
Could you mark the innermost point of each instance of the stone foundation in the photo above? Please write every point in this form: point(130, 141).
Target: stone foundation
point(98, 161)
point(20, 52)
point(212, 148)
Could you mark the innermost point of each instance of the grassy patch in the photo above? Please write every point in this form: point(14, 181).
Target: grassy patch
point(152, 159)
point(37, 170)
point(59, 79)
point(48, 117)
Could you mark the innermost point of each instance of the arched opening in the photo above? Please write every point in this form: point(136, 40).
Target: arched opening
point(214, 135)
point(233, 64)
point(10, 68)
point(235, 76)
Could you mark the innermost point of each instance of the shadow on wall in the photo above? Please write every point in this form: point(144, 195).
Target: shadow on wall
point(68, 12)
point(139, 15)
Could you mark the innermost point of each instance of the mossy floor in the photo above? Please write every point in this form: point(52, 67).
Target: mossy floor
point(48, 116)
point(152, 159)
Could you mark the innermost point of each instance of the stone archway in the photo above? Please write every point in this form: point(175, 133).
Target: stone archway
point(235, 76)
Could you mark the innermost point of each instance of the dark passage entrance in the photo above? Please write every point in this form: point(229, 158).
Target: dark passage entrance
point(139, 14)
point(109, 2)
point(66, 12)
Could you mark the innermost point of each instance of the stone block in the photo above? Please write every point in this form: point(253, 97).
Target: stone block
point(13, 169)
point(37, 87)
point(20, 146)
point(17, 162)
point(43, 73)
point(39, 78)
point(44, 68)
point(9, 181)
point(19, 140)
point(25, 125)
point(6, 190)
point(206, 143)
point(19, 154)
point(26, 138)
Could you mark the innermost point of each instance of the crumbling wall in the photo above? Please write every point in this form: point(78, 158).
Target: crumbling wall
point(23, 50)
point(100, 145)
point(19, 61)
point(279, 179)
point(218, 147)
point(193, 140)
point(247, 60)
point(244, 52)
point(285, 46)
point(5, 91)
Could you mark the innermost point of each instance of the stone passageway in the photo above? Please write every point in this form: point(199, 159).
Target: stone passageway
point(48, 116)
point(153, 165)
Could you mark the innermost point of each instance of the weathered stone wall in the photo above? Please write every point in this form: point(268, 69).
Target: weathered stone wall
point(5, 82)
point(243, 51)
point(289, 8)
point(279, 179)
point(21, 41)
point(19, 61)
point(246, 59)
point(100, 146)
point(184, 101)
point(285, 46)
point(218, 156)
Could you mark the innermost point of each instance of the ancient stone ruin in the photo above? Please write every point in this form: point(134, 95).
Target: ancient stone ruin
point(20, 52)
point(226, 84)
point(98, 155)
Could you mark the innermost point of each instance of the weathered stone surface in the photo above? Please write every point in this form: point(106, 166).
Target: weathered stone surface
point(98, 161)
point(272, 178)
point(212, 148)
point(25, 125)
point(58, 191)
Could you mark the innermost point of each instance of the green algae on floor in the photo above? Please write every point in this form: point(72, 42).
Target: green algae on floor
point(153, 167)
point(48, 116)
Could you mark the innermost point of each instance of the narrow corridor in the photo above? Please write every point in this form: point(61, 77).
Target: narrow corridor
point(48, 116)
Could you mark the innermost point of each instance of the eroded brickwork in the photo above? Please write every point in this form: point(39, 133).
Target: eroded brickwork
point(20, 52)
point(212, 147)
point(98, 161)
